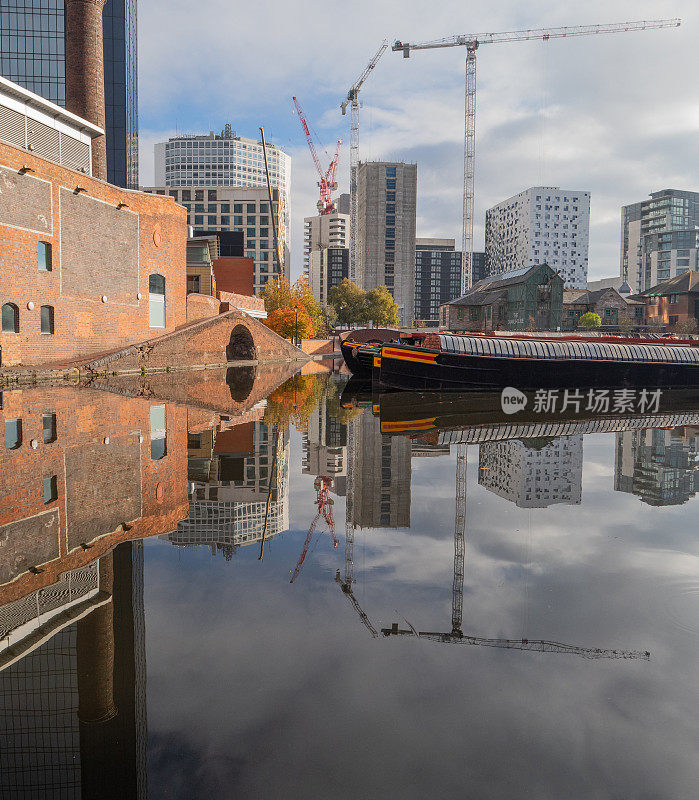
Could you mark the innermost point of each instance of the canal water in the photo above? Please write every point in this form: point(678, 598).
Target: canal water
point(493, 617)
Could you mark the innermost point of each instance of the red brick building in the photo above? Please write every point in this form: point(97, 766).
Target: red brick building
point(674, 303)
point(86, 267)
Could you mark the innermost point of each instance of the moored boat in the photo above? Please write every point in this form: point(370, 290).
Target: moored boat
point(453, 362)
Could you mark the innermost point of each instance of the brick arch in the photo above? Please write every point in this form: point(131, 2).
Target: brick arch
point(241, 345)
point(240, 382)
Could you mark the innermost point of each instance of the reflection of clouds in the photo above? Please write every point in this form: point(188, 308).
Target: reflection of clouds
point(281, 692)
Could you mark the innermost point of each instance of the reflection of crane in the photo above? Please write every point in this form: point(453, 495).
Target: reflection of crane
point(346, 585)
point(471, 42)
point(322, 486)
point(327, 182)
point(353, 102)
point(456, 635)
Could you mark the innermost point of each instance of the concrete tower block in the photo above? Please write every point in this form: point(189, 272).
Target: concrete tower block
point(85, 71)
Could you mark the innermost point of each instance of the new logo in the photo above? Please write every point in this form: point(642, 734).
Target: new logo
point(512, 400)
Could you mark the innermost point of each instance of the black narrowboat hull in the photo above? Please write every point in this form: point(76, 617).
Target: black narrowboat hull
point(420, 369)
point(359, 357)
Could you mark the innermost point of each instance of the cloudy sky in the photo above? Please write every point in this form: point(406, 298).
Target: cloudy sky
point(617, 115)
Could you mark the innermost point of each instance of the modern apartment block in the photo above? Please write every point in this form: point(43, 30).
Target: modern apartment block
point(541, 225)
point(240, 209)
point(32, 54)
point(531, 476)
point(342, 204)
point(659, 238)
point(327, 268)
point(437, 277)
point(387, 198)
point(324, 230)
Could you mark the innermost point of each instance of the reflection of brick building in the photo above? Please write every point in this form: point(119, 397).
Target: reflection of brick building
point(81, 468)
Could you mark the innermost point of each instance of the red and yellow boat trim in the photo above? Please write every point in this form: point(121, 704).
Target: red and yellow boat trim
point(422, 357)
point(408, 425)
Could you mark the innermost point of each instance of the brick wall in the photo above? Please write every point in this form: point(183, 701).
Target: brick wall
point(96, 251)
point(101, 458)
point(235, 275)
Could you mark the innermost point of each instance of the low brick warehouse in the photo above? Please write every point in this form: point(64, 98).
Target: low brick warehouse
point(94, 266)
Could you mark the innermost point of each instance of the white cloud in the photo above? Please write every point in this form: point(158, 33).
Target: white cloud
point(613, 114)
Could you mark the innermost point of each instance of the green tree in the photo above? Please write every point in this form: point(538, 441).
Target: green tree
point(589, 321)
point(277, 294)
point(381, 308)
point(349, 302)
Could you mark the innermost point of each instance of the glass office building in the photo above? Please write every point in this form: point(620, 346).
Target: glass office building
point(32, 54)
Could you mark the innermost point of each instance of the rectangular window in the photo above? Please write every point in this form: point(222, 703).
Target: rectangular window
point(390, 172)
point(158, 432)
point(212, 194)
point(225, 208)
point(50, 489)
point(44, 257)
point(250, 208)
point(225, 220)
point(211, 208)
point(390, 184)
point(198, 220)
point(13, 433)
point(211, 220)
point(198, 208)
point(193, 284)
point(49, 426)
point(237, 208)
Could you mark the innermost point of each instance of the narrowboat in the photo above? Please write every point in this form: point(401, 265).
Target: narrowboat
point(448, 362)
point(361, 348)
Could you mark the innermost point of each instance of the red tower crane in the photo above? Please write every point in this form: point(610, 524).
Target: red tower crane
point(327, 182)
point(322, 486)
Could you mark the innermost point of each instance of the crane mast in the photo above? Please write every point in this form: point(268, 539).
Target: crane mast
point(352, 100)
point(471, 42)
point(326, 182)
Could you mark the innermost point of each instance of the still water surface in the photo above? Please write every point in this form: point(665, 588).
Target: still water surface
point(147, 651)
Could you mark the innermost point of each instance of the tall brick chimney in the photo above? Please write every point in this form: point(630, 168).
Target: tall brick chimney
point(85, 71)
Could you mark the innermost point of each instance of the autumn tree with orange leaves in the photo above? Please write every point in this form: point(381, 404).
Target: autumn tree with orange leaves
point(281, 298)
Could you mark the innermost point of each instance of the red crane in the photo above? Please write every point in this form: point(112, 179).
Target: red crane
point(327, 182)
point(322, 486)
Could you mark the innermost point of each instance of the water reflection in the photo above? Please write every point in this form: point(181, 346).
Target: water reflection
point(456, 524)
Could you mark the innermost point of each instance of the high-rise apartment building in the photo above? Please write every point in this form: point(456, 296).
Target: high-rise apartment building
point(327, 267)
point(32, 54)
point(659, 238)
point(326, 252)
point(243, 210)
point(324, 230)
point(387, 199)
point(437, 277)
point(342, 204)
point(541, 225)
point(532, 476)
point(226, 160)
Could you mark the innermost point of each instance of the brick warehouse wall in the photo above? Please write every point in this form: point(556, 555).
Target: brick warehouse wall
point(105, 477)
point(97, 251)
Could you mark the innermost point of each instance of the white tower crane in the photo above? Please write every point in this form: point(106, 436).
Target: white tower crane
point(471, 42)
point(353, 101)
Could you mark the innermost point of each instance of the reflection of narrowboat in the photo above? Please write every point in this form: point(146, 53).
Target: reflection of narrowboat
point(450, 362)
point(421, 412)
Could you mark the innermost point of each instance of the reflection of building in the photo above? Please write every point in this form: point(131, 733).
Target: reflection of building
point(533, 473)
point(325, 446)
point(72, 684)
point(381, 476)
point(421, 449)
point(230, 485)
point(660, 466)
